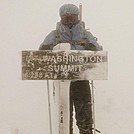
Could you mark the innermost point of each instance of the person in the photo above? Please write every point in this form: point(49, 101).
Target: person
point(71, 30)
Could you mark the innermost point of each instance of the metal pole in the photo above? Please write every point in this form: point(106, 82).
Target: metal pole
point(49, 106)
point(92, 87)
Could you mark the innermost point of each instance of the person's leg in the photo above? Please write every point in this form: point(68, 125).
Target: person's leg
point(81, 96)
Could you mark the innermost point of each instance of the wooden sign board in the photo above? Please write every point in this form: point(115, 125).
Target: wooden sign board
point(64, 65)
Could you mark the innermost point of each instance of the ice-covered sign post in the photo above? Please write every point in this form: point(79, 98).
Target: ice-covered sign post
point(58, 67)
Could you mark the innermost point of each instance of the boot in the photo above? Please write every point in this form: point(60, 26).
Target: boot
point(83, 132)
point(86, 132)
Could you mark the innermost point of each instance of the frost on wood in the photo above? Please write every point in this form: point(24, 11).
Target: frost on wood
point(66, 65)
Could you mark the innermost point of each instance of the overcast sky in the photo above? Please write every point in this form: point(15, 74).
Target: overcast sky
point(24, 25)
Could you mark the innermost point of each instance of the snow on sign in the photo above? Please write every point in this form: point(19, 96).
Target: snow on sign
point(64, 65)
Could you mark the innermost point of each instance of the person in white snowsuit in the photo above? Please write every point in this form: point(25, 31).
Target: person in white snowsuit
point(71, 30)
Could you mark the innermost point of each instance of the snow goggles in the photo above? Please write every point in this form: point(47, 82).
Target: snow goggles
point(69, 19)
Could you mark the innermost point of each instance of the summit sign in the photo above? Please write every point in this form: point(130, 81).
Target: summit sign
point(65, 65)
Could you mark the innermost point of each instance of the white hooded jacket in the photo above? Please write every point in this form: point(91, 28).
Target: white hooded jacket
point(77, 36)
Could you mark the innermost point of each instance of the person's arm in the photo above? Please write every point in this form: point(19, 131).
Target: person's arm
point(92, 43)
point(48, 43)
